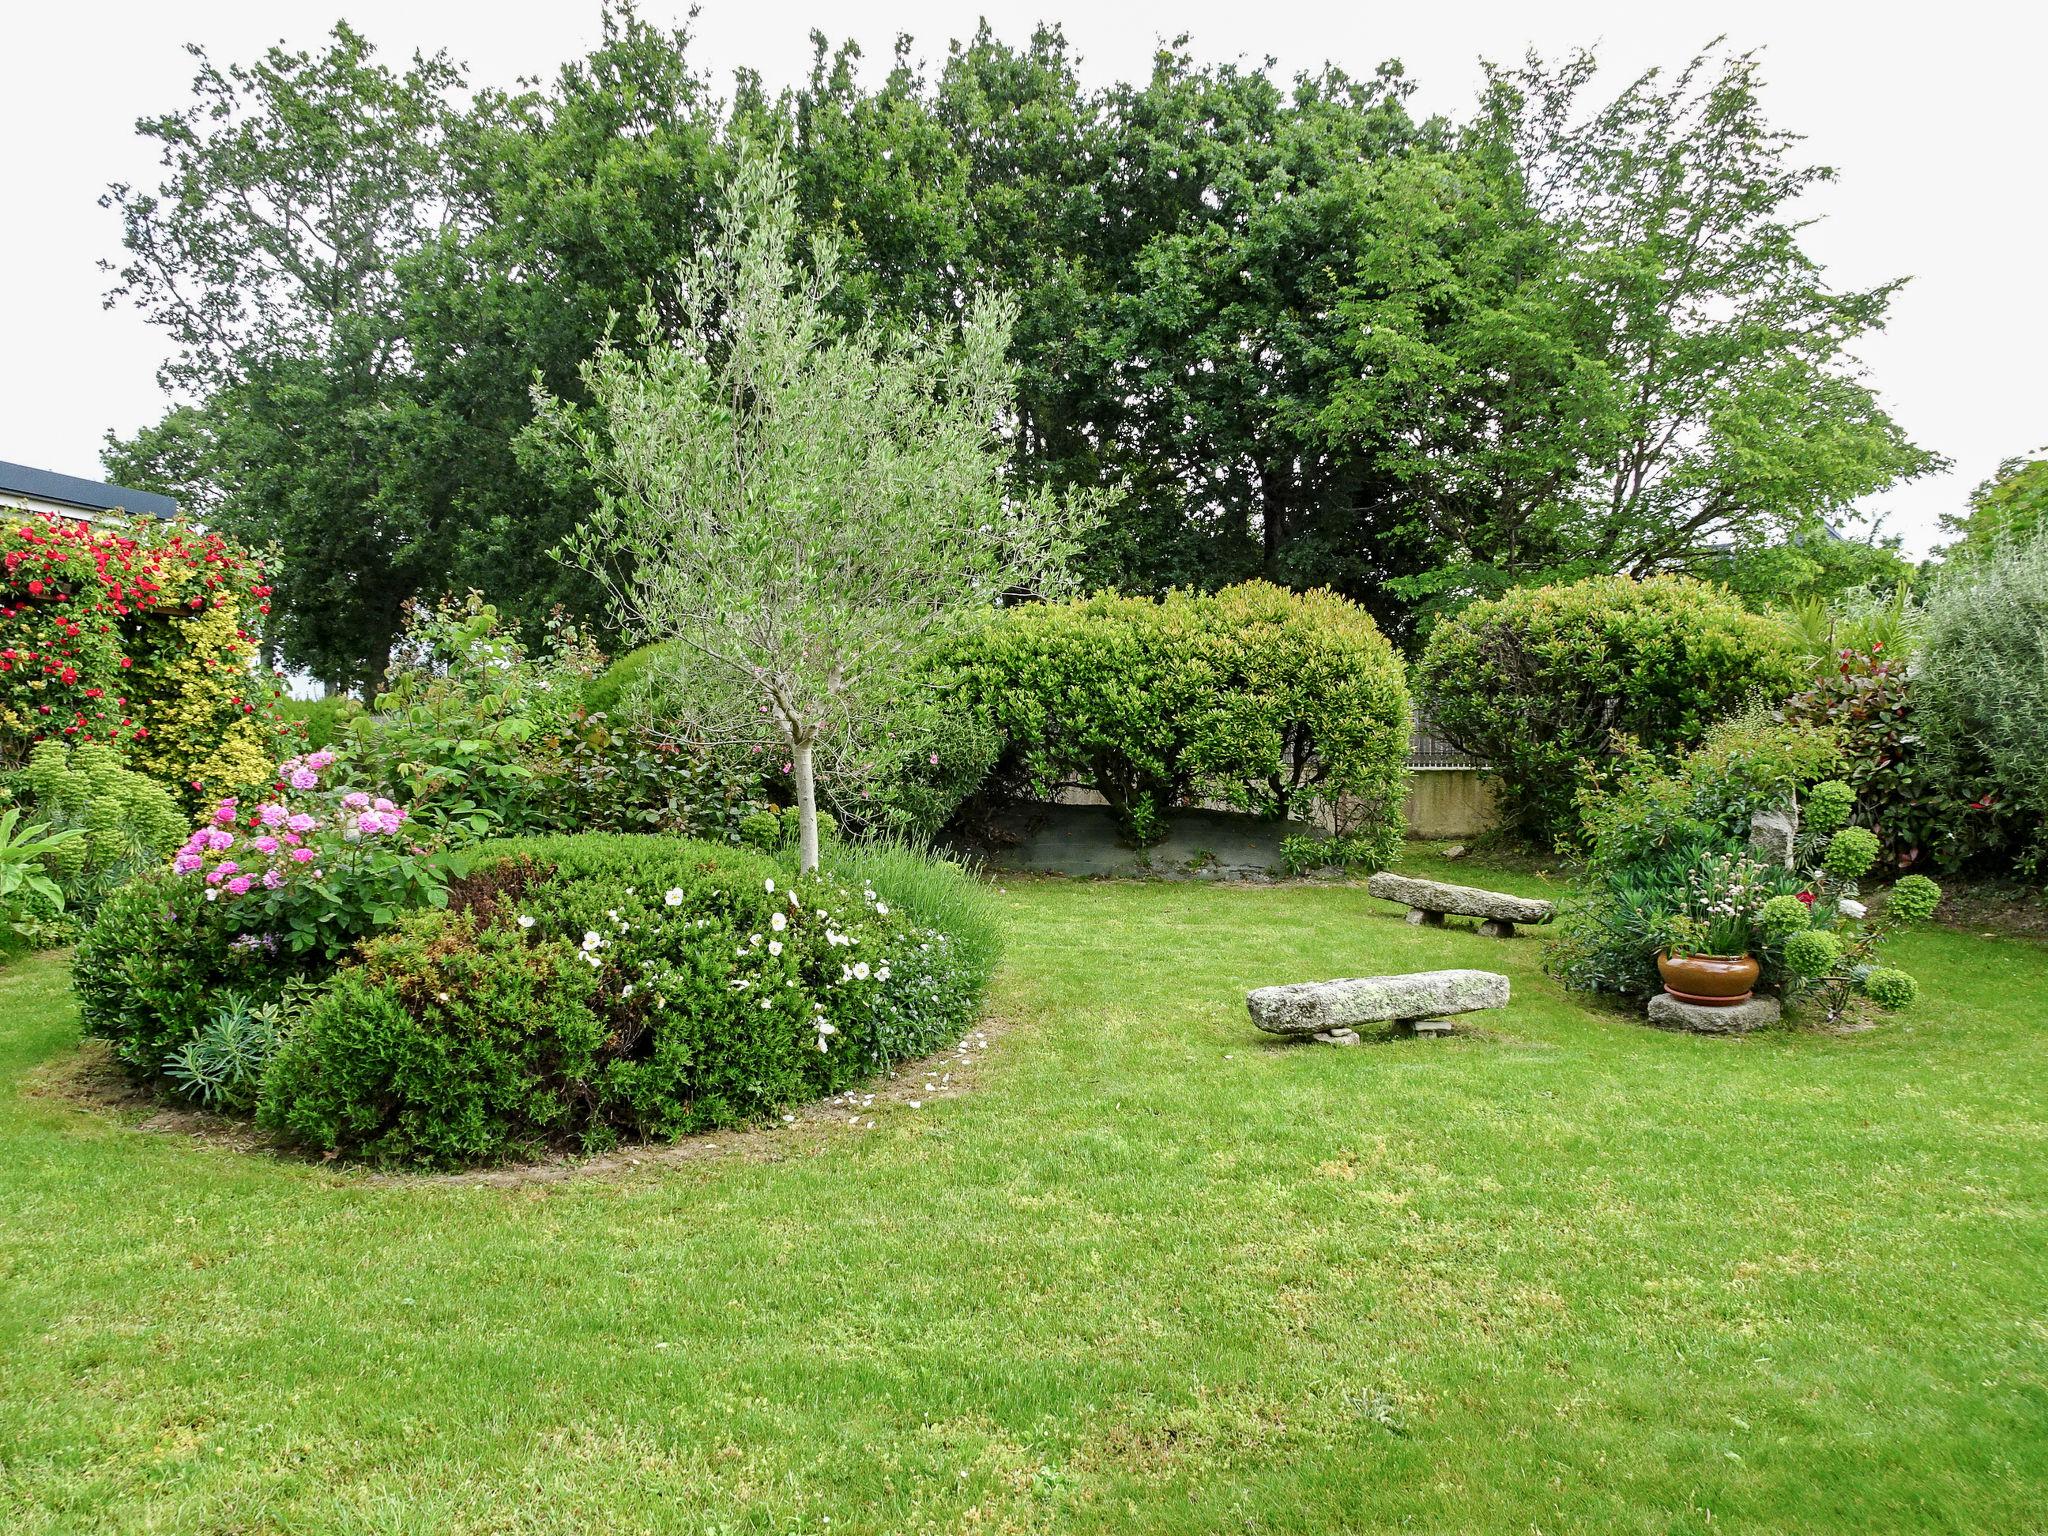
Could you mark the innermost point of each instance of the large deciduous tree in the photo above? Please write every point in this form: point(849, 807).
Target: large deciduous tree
point(803, 502)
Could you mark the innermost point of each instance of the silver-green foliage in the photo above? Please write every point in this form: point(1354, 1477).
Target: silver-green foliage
point(802, 502)
point(1982, 692)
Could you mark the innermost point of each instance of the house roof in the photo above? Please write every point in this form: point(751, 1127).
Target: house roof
point(86, 495)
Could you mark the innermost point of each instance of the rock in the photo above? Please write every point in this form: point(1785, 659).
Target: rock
point(1773, 835)
point(1497, 928)
point(1434, 898)
point(1318, 1007)
point(1430, 1029)
point(1419, 917)
point(1339, 1037)
point(1455, 851)
point(1667, 1012)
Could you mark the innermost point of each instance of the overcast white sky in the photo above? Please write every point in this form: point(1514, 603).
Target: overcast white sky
point(1933, 115)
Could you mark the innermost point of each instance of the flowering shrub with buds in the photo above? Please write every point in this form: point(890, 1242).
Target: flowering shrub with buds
point(257, 896)
point(583, 989)
point(140, 638)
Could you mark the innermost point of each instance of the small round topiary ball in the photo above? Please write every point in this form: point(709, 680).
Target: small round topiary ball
point(1827, 806)
point(1811, 953)
point(1914, 899)
point(1890, 989)
point(1851, 852)
point(1783, 916)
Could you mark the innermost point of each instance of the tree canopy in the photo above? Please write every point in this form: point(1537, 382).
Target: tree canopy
point(1314, 336)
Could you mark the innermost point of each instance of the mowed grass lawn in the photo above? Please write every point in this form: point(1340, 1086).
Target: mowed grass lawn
point(1151, 1274)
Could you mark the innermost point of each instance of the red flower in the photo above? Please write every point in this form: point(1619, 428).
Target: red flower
point(35, 589)
point(1807, 897)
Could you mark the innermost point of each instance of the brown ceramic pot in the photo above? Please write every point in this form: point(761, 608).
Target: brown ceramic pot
point(1712, 981)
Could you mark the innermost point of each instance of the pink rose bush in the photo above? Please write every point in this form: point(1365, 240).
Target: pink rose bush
point(315, 868)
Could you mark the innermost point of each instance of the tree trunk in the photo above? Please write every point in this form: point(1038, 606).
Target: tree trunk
point(806, 808)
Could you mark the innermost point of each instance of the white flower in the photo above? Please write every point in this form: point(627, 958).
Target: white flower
point(674, 896)
point(590, 941)
point(860, 970)
point(212, 894)
point(768, 886)
point(882, 973)
point(1851, 908)
point(778, 922)
point(881, 909)
point(525, 921)
point(775, 946)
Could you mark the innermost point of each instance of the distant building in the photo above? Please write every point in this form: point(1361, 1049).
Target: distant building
point(41, 490)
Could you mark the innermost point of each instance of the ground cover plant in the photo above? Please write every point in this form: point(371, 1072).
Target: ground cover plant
point(1152, 1274)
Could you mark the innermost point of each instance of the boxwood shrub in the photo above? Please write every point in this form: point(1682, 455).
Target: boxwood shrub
point(583, 989)
point(1269, 699)
point(1541, 680)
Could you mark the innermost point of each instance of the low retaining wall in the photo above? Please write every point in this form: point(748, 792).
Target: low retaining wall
point(1449, 802)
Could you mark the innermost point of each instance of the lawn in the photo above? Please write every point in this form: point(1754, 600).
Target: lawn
point(1149, 1273)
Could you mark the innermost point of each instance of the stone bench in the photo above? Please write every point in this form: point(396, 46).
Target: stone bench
point(1423, 1001)
point(1428, 901)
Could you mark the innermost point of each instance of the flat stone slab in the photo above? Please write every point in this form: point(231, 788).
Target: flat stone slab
point(1435, 898)
point(1322, 1007)
point(1668, 1012)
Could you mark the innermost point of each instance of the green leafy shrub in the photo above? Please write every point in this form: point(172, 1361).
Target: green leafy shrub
point(221, 1066)
point(1811, 953)
point(1275, 701)
point(1889, 989)
point(1538, 682)
point(582, 989)
point(30, 900)
point(324, 722)
point(1982, 704)
point(127, 823)
point(1871, 704)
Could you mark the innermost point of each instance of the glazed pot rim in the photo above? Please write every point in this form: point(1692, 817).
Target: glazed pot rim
point(1666, 954)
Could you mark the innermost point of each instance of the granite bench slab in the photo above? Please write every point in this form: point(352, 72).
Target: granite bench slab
point(1430, 901)
point(1424, 1000)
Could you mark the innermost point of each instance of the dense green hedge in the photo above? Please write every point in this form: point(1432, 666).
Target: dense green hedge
point(1539, 681)
point(1270, 699)
point(579, 990)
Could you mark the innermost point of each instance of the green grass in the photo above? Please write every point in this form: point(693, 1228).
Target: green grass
point(1152, 1274)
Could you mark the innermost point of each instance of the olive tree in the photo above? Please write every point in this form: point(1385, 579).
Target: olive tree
point(802, 502)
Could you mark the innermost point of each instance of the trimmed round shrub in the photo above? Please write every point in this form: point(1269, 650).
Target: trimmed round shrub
point(583, 989)
point(1783, 916)
point(1275, 701)
point(1826, 808)
point(1540, 680)
point(1981, 693)
point(1850, 853)
point(1890, 989)
point(1913, 899)
point(1812, 953)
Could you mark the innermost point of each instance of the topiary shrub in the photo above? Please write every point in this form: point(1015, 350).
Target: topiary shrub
point(1278, 702)
point(1982, 704)
point(586, 988)
point(1539, 682)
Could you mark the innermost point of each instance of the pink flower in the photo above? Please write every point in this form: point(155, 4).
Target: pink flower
point(271, 815)
point(356, 801)
point(369, 823)
point(226, 867)
point(225, 813)
point(218, 840)
point(381, 804)
point(302, 855)
point(321, 759)
point(215, 876)
point(303, 823)
point(305, 778)
point(272, 879)
point(266, 845)
point(935, 759)
point(239, 886)
point(186, 863)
